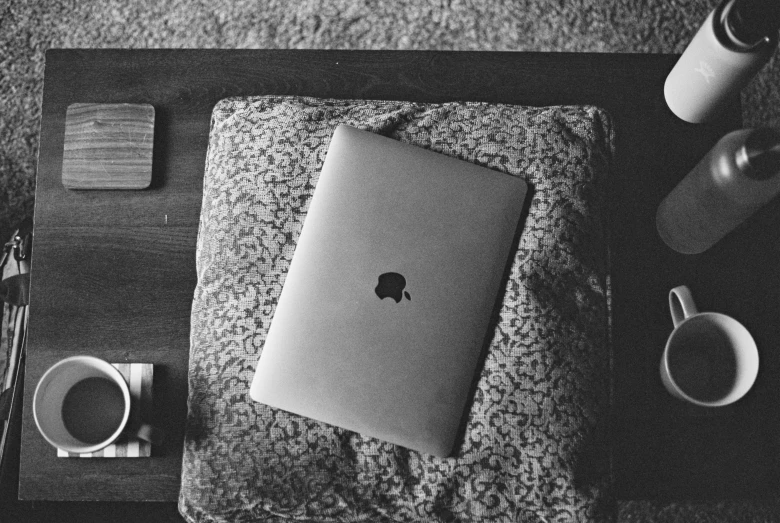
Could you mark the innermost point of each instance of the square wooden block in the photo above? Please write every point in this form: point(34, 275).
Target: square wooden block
point(108, 146)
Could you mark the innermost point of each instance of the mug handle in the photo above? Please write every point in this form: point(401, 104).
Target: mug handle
point(149, 433)
point(681, 304)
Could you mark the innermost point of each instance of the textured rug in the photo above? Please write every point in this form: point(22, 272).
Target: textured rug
point(28, 28)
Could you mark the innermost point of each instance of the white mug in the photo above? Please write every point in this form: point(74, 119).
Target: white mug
point(82, 404)
point(710, 359)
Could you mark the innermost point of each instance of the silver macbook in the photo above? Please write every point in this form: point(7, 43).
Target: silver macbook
point(387, 304)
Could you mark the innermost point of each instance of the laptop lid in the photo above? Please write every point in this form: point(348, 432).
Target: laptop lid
point(387, 303)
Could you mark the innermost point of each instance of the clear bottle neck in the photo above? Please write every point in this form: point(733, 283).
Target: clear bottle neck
point(759, 156)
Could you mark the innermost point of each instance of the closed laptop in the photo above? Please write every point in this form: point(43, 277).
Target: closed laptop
point(387, 304)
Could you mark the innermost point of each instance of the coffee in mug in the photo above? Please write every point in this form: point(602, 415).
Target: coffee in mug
point(82, 404)
point(710, 359)
point(92, 410)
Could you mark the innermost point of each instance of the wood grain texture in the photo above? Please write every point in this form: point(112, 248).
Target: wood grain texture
point(114, 271)
point(184, 86)
point(108, 146)
point(122, 294)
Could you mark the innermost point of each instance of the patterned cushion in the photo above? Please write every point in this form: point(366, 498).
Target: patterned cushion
point(533, 448)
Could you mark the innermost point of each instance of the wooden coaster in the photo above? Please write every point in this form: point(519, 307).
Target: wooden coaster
point(108, 146)
point(139, 377)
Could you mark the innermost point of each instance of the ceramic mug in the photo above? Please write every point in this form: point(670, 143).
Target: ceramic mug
point(82, 404)
point(710, 359)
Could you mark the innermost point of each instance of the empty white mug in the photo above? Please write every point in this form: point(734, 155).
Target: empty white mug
point(710, 359)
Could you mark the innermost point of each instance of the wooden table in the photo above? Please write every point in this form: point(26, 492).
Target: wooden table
point(114, 271)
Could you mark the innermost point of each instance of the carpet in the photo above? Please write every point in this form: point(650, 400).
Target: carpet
point(28, 28)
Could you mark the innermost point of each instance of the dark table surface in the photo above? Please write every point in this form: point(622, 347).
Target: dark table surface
point(114, 271)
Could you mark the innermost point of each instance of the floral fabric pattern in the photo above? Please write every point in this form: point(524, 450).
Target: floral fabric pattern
point(534, 447)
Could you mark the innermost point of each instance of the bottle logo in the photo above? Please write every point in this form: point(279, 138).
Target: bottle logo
point(705, 70)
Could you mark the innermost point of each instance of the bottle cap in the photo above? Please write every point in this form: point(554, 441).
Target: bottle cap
point(759, 158)
point(751, 21)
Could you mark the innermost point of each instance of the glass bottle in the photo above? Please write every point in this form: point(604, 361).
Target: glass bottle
point(734, 179)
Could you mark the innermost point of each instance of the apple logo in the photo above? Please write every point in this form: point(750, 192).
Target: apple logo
point(391, 285)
